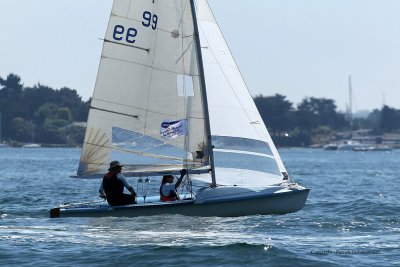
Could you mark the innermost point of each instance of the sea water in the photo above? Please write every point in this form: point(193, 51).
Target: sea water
point(351, 218)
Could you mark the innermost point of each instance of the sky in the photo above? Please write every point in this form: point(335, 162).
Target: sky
point(297, 48)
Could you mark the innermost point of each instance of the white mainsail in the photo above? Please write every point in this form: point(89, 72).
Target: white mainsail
point(239, 135)
point(148, 79)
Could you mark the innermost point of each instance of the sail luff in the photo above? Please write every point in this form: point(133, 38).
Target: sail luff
point(203, 91)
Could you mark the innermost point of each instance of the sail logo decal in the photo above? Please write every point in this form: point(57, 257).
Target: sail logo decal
point(173, 129)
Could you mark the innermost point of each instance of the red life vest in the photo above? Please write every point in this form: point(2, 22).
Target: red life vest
point(169, 197)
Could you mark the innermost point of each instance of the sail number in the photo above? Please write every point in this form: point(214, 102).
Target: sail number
point(149, 19)
point(120, 33)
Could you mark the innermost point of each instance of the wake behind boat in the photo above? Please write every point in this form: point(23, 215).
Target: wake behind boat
point(169, 96)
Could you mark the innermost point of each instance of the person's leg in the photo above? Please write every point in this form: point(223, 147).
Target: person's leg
point(128, 199)
point(123, 199)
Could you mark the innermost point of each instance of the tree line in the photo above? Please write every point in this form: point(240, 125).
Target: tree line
point(44, 115)
point(40, 114)
point(315, 119)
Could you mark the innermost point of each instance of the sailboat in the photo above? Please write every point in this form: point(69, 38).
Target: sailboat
point(33, 144)
point(169, 96)
point(346, 144)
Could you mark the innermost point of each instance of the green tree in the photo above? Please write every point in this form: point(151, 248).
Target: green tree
point(374, 120)
point(10, 95)
point(70, 99)
point(307, 116)
point(64, 113)
point(11, 87)
point(314, 112)
point(35, 97)
point(45, 111)
point(276, 112)
point(48, 110)
point(390, 119)
point(22, 130)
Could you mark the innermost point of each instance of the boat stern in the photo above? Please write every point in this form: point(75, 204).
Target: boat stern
point(242, 201)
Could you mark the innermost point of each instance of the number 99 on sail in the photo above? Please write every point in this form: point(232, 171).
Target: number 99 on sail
point(119, 33)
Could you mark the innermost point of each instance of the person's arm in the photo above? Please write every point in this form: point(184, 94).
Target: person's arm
point(178, 183)
point(130, 188)
point(101, 191)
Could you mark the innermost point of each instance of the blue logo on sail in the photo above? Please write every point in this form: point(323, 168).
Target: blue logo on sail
point(173, 129)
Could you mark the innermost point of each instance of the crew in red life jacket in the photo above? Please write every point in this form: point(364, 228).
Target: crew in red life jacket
point(112, 187)
point(168, 188)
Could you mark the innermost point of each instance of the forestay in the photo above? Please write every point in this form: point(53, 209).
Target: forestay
point(147, 109)
point(239, 136)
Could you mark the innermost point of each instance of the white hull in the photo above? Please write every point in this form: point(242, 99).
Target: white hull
point(32, 146)
point(275, 200)
point(349, 145)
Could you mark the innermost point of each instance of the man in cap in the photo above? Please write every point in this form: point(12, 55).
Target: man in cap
point(112, 187)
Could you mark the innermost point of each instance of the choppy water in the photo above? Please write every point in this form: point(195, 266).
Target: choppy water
point(350, 219)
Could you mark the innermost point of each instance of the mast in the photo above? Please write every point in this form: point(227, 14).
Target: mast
point(351, 106)
point(203, 91)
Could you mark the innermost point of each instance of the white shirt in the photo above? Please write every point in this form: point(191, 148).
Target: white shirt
point(167, 188)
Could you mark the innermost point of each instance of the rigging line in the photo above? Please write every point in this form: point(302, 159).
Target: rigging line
point(181, 58)
point(181, 19)
point(114, 112)
point(184, 52)
point(127, 11)
point(133, 46)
